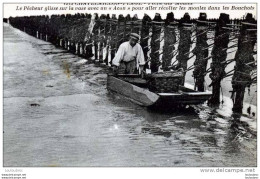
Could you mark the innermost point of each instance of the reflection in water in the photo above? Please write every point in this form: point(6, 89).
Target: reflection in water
point(77, 122)
point(156, 131)
point(66, 68)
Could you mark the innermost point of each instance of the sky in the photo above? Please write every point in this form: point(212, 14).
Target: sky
point(213, 10)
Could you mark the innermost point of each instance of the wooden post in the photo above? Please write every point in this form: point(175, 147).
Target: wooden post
point(77, 48)
point(169, 41)
point(201, 51)
point(47, 27)
point(102, 25)
point(66, 43)
point(79, 51)
point(120, 30)
point(219, 55)
point(89, 37)
point(245, 61)
point(61, 42)
point(73, 47)
point(45, 30)
point(57, 24)
point(128, 27)
point(185, 25)
point(113, 40)
point(155, 42)
point(96, 36)
point(145, 35)
point(107, 37)
point(136, 24)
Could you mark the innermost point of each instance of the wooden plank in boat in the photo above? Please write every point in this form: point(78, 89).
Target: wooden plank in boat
point(139, 95)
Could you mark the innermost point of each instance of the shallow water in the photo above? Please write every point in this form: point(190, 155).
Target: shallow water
point(57, 112)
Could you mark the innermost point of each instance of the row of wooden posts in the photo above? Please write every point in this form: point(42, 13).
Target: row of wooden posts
point(166, 43)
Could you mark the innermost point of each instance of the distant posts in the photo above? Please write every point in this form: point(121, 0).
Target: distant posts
point(145, 35)
point(185, 25)
point(155, 42)
point(219, 55)
point(169, 41)
point(201, 51)
point(245, 61)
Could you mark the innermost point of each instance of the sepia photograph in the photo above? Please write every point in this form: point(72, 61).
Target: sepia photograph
point(130, 85)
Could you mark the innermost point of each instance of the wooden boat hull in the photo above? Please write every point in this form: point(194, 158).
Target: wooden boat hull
point(133, 89)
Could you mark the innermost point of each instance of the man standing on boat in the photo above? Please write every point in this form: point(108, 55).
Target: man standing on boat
point(129, 56)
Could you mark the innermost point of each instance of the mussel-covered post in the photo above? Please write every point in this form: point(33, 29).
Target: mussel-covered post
point(102, 24)
point(63, 22)
point(54, 30)
point(107, 38)
point(78, 34)
point(136, 24)
point(145, 35)
point(89, 37)
point(96, 35)
point(40, 28)
point(45, 26)
point(169, 41)
point(201, 51)
point(120, 30)
point(113, 40)
point(219, 55)
point(155, 42)
point(85, 21)
point(62, 30)
point(185, 31)
point(128, 27)
point(245, 61)
point(74, 33)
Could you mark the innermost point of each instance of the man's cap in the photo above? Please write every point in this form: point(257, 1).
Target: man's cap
point(135, 36)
